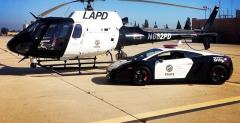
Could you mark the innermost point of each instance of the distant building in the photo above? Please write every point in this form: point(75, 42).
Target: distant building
point(228, 29)
point(12, 33)
point(237, 13)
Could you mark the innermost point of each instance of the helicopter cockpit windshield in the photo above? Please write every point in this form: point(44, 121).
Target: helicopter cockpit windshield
point(46, 37)
point(55, 36)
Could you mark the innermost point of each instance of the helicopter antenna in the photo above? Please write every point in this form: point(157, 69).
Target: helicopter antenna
point(164, 3)
point(34, 16)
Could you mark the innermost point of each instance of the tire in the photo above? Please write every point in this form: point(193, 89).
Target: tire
point(218, 74)
point(33, 65)
point(141, 76)
point(111, 78)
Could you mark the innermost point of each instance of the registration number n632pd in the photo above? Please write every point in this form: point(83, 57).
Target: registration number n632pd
point(159, 36)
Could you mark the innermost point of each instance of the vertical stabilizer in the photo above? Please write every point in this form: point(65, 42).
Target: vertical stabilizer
point(211, 19)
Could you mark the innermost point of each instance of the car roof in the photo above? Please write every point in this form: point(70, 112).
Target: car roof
point(180, 49)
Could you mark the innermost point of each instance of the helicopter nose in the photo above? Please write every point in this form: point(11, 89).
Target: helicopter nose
point(11, 45)
point(19, 47)
point(24, 48)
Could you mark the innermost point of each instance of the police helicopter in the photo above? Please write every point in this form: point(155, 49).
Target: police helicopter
point(90, 33)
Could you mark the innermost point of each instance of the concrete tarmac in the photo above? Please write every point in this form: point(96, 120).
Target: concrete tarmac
point(42, 96)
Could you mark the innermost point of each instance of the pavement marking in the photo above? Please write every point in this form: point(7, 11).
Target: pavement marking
point(130, 116)
point(233, 83)
point(174, 110)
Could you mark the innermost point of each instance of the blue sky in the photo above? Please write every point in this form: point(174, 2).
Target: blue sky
point(14, 13)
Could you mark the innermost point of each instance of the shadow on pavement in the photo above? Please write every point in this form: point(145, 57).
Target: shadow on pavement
point(21, 71)
point(105, 81)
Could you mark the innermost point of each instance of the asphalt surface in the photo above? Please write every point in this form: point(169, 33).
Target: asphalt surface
point(40, 95)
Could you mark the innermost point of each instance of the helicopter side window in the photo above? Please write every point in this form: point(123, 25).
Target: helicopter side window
point(55, 37)
point(77, 31)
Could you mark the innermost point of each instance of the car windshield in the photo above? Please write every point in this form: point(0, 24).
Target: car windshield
point(146, 54)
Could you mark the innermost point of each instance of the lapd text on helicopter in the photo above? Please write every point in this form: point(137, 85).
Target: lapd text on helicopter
point(95, 15)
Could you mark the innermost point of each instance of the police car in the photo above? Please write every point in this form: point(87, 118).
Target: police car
point(168, 64)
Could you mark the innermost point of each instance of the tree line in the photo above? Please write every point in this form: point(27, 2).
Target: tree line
point(4, 31)
point(187, 26)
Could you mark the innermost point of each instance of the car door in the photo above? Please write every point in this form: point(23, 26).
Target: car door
point(172, 65)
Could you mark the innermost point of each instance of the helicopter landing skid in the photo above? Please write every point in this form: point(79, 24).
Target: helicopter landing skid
point(71, 65)
point(121, 55)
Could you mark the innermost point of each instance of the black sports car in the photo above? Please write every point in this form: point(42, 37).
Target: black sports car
point(172, 64)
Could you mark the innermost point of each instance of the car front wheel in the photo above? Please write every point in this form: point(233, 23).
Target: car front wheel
point(33, 65)
point(218, 74)
point(141, 76)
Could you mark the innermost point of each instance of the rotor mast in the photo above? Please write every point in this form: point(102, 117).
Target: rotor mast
point(89, 6)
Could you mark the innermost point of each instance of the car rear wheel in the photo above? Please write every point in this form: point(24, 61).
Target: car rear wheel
point(141, 76)
point(218, 74)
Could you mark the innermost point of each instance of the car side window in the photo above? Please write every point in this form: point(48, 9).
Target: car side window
point(171, 55)
point(164, 56)
point(177, 55)
point(191, 54)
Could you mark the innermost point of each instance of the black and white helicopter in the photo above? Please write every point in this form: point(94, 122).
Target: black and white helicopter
point(90, 33)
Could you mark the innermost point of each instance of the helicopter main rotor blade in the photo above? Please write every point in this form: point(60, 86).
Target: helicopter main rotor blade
point(55, 8)
point(64, 4)
point(163, 3)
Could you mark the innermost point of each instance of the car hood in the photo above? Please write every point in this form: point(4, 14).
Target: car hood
point(117, 64)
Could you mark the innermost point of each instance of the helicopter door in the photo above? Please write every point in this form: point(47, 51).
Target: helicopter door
point(95, 42)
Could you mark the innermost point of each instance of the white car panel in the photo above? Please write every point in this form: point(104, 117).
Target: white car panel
point(173, 69)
